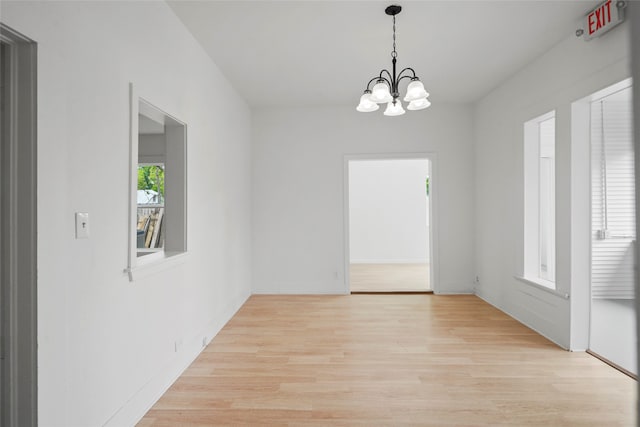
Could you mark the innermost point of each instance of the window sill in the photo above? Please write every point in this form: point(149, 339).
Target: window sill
point(154, 263)
point(543, 285)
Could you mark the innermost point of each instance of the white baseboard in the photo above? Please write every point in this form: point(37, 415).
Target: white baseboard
point(134, 409)
point(554, 340)
point(390, 261)
point(335, 287)
point(454, 292)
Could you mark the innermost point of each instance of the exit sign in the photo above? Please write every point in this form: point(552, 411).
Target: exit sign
point(603, 18)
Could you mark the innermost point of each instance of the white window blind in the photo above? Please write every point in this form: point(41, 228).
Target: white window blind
point(613, 197)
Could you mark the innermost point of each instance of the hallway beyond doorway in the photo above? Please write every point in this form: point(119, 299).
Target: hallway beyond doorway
point(389, 277)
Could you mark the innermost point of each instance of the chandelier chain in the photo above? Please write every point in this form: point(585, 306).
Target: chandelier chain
point(394, 53)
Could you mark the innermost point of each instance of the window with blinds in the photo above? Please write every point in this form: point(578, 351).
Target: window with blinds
point(612, 197)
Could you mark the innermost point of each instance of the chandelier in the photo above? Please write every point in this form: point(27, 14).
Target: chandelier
point(386, 91)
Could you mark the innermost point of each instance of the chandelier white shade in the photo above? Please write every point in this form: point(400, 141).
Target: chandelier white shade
point(394, 109)
point(381, 93)
point(418, 104)
point(366, 104)
point(415, 91)
point(385, 90)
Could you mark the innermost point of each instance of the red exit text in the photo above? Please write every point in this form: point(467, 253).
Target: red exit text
point(599, 18)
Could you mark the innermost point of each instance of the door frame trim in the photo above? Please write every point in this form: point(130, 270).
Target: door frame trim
point(19, 393)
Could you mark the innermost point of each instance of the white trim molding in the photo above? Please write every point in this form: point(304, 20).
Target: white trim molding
point(18, 207)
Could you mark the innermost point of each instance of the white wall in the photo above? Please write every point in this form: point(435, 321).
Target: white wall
point(388, 213)
point(106, 345)
point(152, 148)
point(571, 70)
point(298, 198)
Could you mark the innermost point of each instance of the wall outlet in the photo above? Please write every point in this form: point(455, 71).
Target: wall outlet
point(204, 341)
point(177, 346)
point(82, 225)
point(477, 279)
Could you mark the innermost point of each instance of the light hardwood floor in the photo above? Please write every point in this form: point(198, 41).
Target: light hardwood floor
point(390, 360)
point(389, 277)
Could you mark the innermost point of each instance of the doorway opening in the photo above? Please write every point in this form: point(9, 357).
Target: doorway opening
point(612, 332)
point(389, 224)
point(18, 230)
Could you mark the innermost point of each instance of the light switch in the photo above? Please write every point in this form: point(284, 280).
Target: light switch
point(82, 225)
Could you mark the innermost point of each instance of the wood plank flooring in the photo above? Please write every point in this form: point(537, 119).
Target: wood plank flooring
point(389, 277)
point(389, 360)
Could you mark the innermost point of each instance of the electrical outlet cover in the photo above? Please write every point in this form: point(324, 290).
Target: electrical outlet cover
point(82, 225)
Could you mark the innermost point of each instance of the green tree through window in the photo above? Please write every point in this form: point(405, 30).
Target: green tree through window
point(151, 177)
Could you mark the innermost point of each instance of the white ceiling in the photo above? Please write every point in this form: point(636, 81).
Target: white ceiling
point(313, 53)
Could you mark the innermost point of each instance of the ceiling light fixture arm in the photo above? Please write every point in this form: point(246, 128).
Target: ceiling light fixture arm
point(378, 79)
point(394, 80)
point(389, 80)
point(412, 76)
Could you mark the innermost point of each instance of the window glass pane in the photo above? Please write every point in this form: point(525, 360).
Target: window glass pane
point(546, 175)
